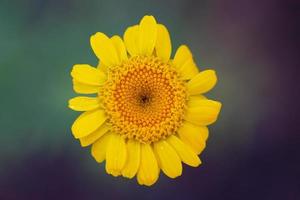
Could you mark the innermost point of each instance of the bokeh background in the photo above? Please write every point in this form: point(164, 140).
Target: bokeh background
point(253, 149)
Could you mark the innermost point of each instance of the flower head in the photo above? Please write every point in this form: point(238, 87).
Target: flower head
point(149, 112)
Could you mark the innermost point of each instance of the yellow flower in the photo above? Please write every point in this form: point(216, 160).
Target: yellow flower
point(149, 112)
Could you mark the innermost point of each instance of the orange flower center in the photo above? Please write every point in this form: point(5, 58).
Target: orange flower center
point(145, 99)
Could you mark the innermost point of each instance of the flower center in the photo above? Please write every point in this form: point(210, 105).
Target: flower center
point(145, 99)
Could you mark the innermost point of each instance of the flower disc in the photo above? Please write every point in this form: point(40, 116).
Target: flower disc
point(145, 99)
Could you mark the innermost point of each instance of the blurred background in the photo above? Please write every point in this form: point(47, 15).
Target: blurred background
point(253, 149)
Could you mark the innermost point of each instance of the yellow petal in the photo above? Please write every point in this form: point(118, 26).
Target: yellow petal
point(91, 138)
point(202, 82)
point(131, 40)
point(205, 113)
point(104, 49)
point(102, 67)
point(169, 161)
point(194, 136)
point(148, 172)
point(133, 159)
point(187, 155)
point(99, 148)
point(147, 35)
point(188, 70)
point(163, 44)
point(84, 103)
point(115, 155)
point(88, 122)
point(120, 47)
point(87, 74)
point(182, 55)
point(194, 100)
point(82, 88)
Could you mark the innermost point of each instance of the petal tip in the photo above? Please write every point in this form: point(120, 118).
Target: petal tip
point(148, 18)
